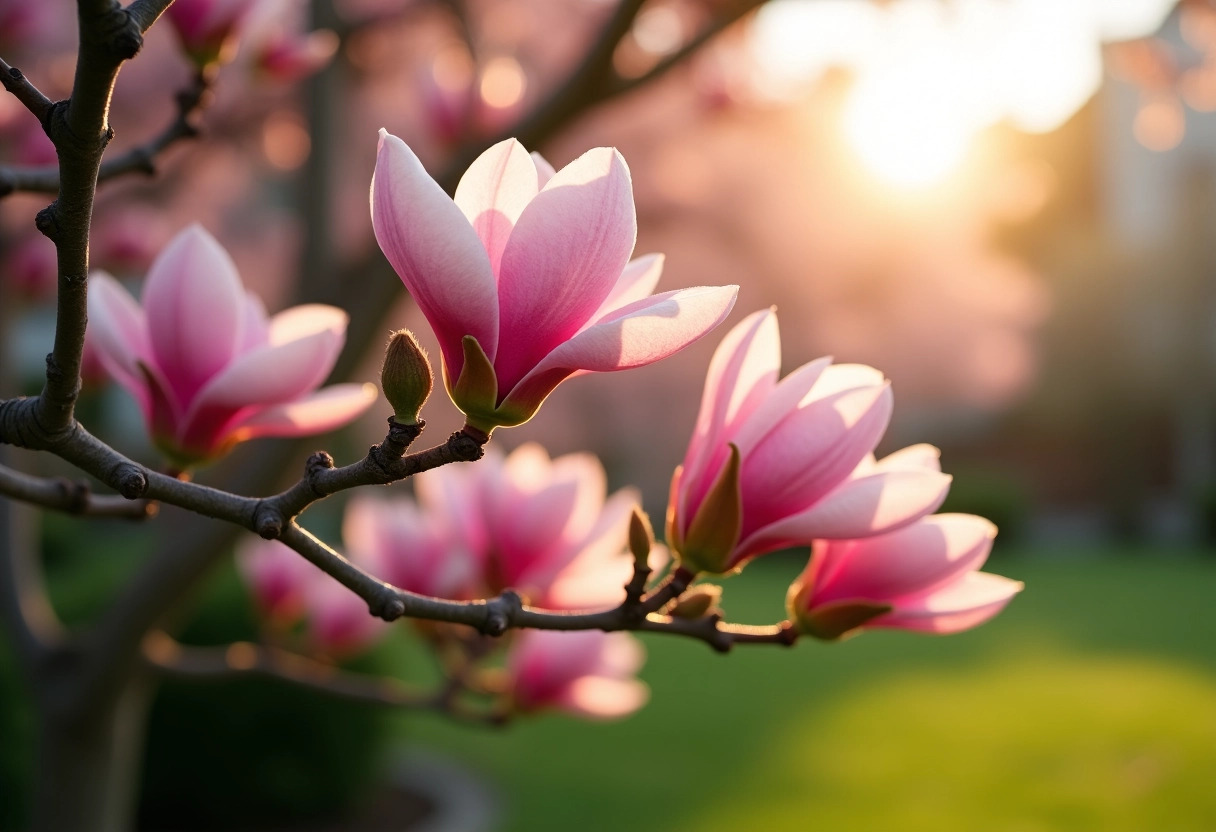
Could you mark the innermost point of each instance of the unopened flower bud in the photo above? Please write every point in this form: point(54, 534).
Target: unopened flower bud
point(641, 537)
point(406, 377)
point(697, 602)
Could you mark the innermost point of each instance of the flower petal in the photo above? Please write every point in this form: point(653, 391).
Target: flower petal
point(544, 170)
point(119, 331)
point(599, 697)
point(567, 251)
point(278, 372)
point(327, 409)
point(194, 303)
point(434, 251)
point(493, 193)
point(636, 335)
point(959, 606)
point(636, 282)
point(743, 371)
point(869, 505)
point(915, 560)
point(810, 452)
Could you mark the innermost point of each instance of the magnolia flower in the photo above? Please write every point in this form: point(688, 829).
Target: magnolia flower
point(922, 577)
point(277, 577)
point(409, 548)
point(287, 588)
point(207, 28)
point(525, 277)
point(546, 528)
point(274, 39)
point(772, 465)
point(207, 366)
point(588, 673)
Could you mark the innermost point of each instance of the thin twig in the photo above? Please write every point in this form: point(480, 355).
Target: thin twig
point(71, 496)
point(23, 89)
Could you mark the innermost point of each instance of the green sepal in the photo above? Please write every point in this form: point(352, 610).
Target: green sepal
point(697, 602)
point(715, 529)
point(641, 537)
point(838, 619)
point(476, 391)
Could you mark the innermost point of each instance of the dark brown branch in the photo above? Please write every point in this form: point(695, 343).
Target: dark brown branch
point(139, 159)
point(494, 616)
point(242, 659)
point(724, 19)
point(23, 90)
point(71, 496)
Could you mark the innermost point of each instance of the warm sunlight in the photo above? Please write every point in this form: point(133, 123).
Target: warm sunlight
point(901, 136)
point(930, 76)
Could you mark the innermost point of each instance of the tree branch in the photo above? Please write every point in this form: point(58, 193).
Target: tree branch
point(721, 21)
point(243, 659)
point(23, 90)
point(71, 496)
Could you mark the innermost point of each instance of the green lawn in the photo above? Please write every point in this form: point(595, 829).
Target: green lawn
point(1090, 704)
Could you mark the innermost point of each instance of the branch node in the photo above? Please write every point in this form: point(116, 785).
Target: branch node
point(76, 495)
point(130, 480)
point(399, 438)
point(47, 221)
point(313, 466)
point(467, 444)
point(390, 609)
point(267, 521)
point(501, 612)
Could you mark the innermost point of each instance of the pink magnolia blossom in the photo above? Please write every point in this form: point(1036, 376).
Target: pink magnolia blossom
point(923, 577)
point(526, 278)
point(587, 673)
point(775, 464)
point(287, 588)
point(207, 28)
point(206, 365)
point(409, 548)
point(546, 528)
point(277, 577)
point(279, 48)
point(339, 624)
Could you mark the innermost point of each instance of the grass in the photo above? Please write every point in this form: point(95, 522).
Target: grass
point(1090, 704)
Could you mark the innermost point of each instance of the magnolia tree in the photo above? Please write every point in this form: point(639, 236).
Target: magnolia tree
point(521, 571)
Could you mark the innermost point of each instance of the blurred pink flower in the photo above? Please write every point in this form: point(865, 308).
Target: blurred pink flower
point(287, 588)
point(922, 577)
point(207, 366)
point(126, 238)
point(277, 577)
point(546, 528)
point(289, 57)
point(409, 548)
point(30, 267)
point(587, 673)
point(339, 623)
point(22, 21)
point(526, 280)
point(772, 465)
point(207, 28)
point(277, 44)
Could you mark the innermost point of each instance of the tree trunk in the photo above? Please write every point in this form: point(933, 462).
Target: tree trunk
point(88, 766)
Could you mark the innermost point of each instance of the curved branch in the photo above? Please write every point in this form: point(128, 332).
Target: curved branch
point(71, 496)
point(139, 159)
point(23, 90)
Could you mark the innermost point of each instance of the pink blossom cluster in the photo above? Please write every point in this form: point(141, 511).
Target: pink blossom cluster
point(206, 364)
point(775, 464)
point(547, 528)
